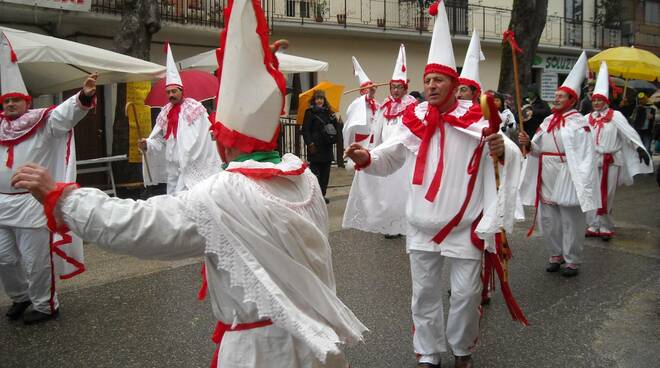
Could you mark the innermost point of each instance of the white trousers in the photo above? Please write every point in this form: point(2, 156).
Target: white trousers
point(269, 347)
point(605, 221)
point(563, 230)
point(25, 267)
point(462, 331)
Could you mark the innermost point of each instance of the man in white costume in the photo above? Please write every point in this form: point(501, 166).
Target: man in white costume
point(561, 175)
point(454, 209)
point(179, 149)
point(31, 257)
point(371, 205)
point(621, 155)
point(261, 224)
point(361, 113)
point(470, 88)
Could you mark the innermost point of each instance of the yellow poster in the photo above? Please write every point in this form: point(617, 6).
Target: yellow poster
point(136, 92)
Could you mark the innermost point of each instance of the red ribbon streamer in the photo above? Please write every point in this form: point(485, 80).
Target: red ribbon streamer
point(608, 160)
point(510, 37)
point(222, 328)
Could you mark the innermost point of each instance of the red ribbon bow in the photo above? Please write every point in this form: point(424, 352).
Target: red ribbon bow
point(173, 121)
point(510, 37)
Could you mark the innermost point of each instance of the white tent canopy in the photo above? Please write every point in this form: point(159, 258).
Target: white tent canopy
point(288, 63)
point(51, 64)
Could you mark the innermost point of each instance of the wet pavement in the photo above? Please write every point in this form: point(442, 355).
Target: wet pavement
point(125, 312)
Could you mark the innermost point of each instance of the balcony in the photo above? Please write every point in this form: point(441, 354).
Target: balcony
point(403, 16)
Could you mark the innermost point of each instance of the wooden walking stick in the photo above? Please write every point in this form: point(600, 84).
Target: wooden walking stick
point(131, 105)
point(366, 87)
point(510, 38)
point(498, 263)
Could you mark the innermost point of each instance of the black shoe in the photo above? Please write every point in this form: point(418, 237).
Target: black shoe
point(33, 317)
point(553, 267)
point(428, 365)
point(16, 310)
point(463, 361)
point(569, 272)
point(326, 200)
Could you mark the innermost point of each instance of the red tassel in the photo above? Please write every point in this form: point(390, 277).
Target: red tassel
point(201, 295)
point(433, 9)
point(14, 58)
point(403, 68)
point(516, 313)
point(166, 45)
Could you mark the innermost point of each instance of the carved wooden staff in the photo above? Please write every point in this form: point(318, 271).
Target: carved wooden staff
point(131, 105)
point(510, 38)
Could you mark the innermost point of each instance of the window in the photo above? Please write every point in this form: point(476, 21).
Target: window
point(573, 22)
point(652, 12)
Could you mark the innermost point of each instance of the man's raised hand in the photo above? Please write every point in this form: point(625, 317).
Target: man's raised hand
point(357, 153)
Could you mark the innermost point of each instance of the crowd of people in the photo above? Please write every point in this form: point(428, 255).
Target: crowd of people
point(260, 221)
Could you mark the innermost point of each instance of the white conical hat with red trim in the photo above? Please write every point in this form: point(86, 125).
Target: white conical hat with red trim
point(602, 88)
point(573, 83)
point(470, 72)
point(400, 73)
point(252, 89)
point(11, 80)
point(360, 74)
point(172, 78)
point(441, 54)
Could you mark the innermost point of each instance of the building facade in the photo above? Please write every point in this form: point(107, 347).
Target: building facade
point(333, 31)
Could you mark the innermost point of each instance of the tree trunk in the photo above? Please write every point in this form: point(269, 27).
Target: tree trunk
point(527, 22)
point(140, 20)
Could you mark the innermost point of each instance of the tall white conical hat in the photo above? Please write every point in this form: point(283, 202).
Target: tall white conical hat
point(360, 74)
point(602, 88)
point(172, 78)
point(470, 72)
point(252, 89)
point(12, 84)
point(441, 54)
point(400, 73)
point(573, 83)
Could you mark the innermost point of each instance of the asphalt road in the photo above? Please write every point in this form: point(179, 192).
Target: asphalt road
point(125, 312)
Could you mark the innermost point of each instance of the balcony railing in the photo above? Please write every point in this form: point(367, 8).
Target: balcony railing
point(384, 15)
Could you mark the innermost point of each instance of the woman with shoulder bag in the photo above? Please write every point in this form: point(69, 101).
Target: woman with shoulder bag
point(319, 132)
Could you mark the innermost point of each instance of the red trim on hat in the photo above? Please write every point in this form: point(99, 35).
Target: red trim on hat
point(441, 69)
point(470, 82)
point(600, 96)
point(225, 135)
point(234, 139)
point(27, 98)
point(367, 83)
point(570, 91)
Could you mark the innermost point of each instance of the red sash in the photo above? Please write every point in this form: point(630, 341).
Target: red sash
point(221, 328)
point(539, 177)
point(608, 160)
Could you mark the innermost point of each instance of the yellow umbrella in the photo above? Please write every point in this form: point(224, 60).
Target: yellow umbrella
point(333, 93)
point(628, 63)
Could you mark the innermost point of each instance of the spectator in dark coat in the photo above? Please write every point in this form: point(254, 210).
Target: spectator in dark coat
point(540, 110)
point(320, 130)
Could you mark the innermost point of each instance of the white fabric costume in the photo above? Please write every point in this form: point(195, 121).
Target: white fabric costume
point(569, 183)
point(27, 248)
point(266, 252)
point(453, 207)
point(183, 160)
point(616, 144)
point(180, 152)
point(25, 260)
point(261, 225)
point(561, 177)
point(377, 204)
